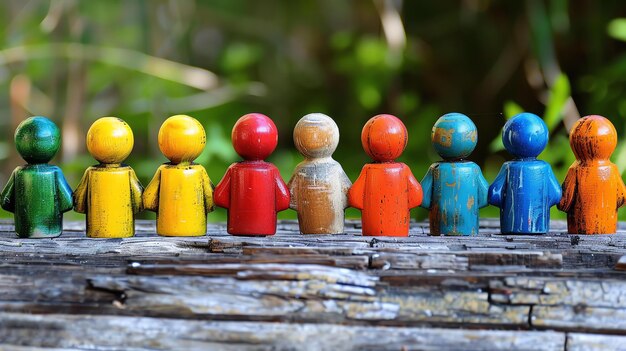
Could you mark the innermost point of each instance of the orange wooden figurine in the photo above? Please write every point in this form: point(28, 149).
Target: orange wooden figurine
point(385, 190)
point(593, 189)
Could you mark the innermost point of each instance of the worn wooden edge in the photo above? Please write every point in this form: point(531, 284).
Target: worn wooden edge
point(22, 332)
point(69, 332)
point(572, 285)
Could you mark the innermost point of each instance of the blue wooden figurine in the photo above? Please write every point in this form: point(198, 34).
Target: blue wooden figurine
point(454, 189)
point(525, 188)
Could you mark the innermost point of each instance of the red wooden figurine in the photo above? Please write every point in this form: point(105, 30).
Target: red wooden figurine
point(252, 190)
point(386, 190)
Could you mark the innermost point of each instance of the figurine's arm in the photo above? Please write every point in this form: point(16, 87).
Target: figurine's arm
point(81, 192)
point(8, 194)
point(621, 190)
point(221, 195)
point(416, 195)
point(356, 194)
point(207, 187)
point(554, 188)
point(293, 186)
point(281, 194)
point(496, 189)
point(569, 190)
point(136, 190)
point(427, 187)
point(346, 184)
point(64, 191)
point(151, 193)
point(483, 188)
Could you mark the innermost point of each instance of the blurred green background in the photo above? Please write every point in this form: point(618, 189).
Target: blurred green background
point(143, 61)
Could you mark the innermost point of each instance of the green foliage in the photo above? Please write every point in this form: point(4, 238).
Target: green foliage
point(559, 94)
point(510, 109)
point(617, 29)
point(217, 60)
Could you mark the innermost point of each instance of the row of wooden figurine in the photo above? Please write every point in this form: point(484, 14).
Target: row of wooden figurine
point(253, 191)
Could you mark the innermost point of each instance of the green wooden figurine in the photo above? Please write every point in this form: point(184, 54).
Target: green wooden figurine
point(37, 193)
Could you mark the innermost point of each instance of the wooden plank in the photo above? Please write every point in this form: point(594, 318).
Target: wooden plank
point(69, 332)
point(580, 318)
point(587, 342)
point(488, 283)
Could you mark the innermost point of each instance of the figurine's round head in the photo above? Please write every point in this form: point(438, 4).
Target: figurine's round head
point(454, 136)
point(593, 138)
point(316, 135)
point(525, 135)
point(37, 139)
point(110, 140)
point(181, 139)
point(255, 137)
point(384, 138)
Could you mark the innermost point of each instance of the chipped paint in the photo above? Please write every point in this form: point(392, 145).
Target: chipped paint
point(593, 189)
point(456, 191)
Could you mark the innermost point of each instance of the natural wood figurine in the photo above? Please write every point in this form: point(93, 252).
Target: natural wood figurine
point(525, 188)
point(386, 190)
point(454, 189)
point(181, 192)
point(252, 190)
point(37, 193)
point(319, 186)
point(109, 193)
point(593, 189)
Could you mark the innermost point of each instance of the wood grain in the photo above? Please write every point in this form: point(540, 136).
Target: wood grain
point(313, 292)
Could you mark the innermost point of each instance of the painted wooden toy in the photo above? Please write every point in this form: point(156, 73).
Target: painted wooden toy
point(385, 190)
point(319, 186)
point(593, 189)
point(37, 193)
point(252, 190)
point(181, 192)
point(454, 189)
point(109, 193)
point(525, 188)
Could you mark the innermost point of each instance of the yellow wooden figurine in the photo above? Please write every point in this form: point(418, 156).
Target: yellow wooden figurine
point(181, 192)
point(109, 193)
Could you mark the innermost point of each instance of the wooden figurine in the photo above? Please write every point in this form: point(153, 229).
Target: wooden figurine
point(319, 186)
point(593, 189)
point(525, 188)
point(252, 190)
point(181, 192)
point(109, 193)
point(37, 193)
point(386, 190)
point(454, 189)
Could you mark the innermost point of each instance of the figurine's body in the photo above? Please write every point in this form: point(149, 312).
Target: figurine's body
point(319, 186)
point(386, 190)
point(37, 193)
point(180, 192)
point(454, 189)
point(593, 189)
point(253, 190)
point(109, 193)
point(525, 188)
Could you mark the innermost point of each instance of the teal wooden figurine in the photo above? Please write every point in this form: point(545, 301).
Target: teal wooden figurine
point(525, 188)
point(454, 188)
point(37, 193)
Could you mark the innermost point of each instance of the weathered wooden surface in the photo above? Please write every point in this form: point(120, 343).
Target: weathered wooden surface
point(313, 292)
